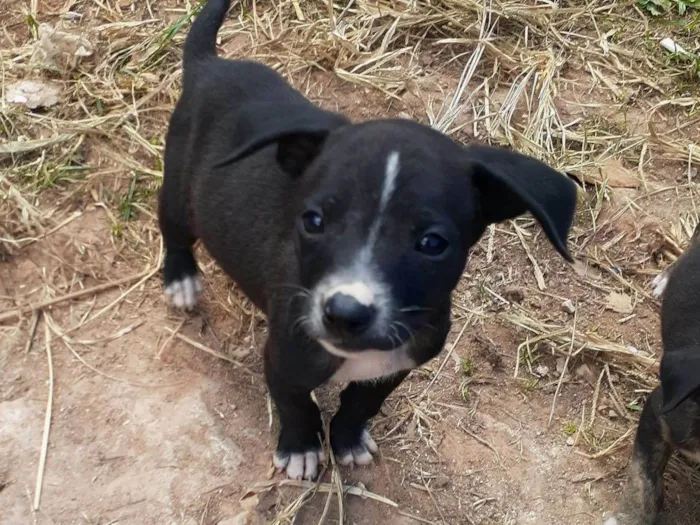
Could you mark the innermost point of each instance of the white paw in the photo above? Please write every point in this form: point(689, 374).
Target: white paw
point(183, 294)
point(658, 285)
point(299, 466)
point(362, 454)
point(612, 520)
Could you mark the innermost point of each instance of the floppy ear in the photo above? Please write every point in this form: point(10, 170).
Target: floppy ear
point(511, 184)
point(680, 376)
point(299, 128)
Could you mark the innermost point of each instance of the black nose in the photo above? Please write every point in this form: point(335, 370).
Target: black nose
point(344, 313)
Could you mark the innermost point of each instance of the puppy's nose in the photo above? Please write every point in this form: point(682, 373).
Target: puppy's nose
point(344, 313)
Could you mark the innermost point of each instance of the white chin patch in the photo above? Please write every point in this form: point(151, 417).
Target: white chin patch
point(299, 466)
point(612, 521)
point(183, 294)
point(362, 454)
point(658, 285)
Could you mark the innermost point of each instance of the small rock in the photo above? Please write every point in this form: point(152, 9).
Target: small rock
point(514, 295)
point(570, 441)
point(34, 93)
point(441, 481)
point(542, 370)
point(561, 362)
point(586, 373)
point(239, 519)
point(612, 414)
point(568, 307)
point(620, 303)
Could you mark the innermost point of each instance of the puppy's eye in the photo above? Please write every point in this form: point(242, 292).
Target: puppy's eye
point(432, 244)
point(313, 222)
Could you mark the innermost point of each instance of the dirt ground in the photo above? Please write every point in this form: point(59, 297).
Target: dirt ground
point(158, 417)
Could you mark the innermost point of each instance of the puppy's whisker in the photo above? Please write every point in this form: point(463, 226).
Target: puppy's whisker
point(302, 290)
point(298, 295)
point(410, 309)
point(410, 332)
point(301, 321)
point(396, 337)
point(392, 341)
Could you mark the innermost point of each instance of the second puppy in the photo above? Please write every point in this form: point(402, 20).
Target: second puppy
point(670, 419)
point(350, 237)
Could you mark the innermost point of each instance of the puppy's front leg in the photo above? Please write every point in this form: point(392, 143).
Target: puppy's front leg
point(644, 491)
point(359, 402)
point(299, 448)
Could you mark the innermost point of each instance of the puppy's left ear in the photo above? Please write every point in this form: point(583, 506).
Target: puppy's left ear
point(680, 376)
point(511, 184)
point(299, 128)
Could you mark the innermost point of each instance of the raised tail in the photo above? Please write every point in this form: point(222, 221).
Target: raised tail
point(201, 41)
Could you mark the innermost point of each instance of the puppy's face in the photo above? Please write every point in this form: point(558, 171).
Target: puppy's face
point(388, 215)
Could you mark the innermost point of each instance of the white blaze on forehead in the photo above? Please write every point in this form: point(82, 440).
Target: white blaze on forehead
point(391, 172)
point(359, 291)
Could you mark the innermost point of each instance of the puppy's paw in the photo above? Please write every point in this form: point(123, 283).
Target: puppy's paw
point(183, 293)
point(358, 453)
point(299, 465)
point(658, 285)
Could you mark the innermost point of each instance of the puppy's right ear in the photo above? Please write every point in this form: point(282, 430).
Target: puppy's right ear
point(298, 128)
point(680, 376)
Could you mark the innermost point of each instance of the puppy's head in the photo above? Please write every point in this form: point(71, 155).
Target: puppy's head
point(385, 213)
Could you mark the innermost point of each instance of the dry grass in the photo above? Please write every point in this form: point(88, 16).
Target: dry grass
point(576, 84)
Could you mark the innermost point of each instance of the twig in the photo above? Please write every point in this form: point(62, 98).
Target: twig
point(53, 230)
point(605, 452)
point(32, 331)
point(145, 277)
point(437, 506)
point(210, 351)
point(444, 361)
point(563, 372)
point(47, 423)
point(536, 267)
point(13, 314)
point(67, 341)
point(170, 338)
point(416, 518)
point(482, 441)
point(324, 488)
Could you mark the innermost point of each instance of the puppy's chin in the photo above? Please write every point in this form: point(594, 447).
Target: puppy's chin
point(348, 346)
point(354, 349)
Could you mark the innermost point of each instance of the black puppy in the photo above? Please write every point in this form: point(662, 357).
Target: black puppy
point(350, 237)
point(671, 416)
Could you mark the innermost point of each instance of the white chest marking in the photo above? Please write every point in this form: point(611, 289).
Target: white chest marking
point(370, 364)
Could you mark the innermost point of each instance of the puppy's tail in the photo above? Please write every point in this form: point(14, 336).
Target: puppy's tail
point(201, 42)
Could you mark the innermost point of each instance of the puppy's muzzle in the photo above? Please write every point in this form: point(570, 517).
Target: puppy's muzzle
point(344, 315)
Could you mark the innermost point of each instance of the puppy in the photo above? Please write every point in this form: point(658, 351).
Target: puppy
point(670, 419)
point(349, 237)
